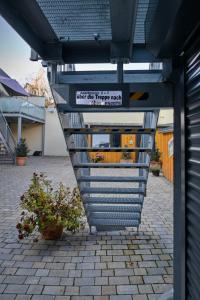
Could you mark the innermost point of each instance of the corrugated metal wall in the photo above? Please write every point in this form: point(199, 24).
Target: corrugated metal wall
point(192, 84)
point(162, 139)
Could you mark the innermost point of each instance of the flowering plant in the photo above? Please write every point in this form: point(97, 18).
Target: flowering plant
point(43, 206)
point(98, 157)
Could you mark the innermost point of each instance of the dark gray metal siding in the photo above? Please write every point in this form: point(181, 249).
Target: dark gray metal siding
point(192, 84)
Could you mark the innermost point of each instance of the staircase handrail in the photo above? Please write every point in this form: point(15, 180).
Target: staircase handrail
point(7, 134)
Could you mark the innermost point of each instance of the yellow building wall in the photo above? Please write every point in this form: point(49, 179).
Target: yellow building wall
point(114, 157)
point(162, 140)
point(32, 132)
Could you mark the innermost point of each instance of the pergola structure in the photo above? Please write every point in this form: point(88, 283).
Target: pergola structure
point(68, 32)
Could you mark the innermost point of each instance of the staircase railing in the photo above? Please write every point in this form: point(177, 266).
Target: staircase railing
point(7, 136)
point(75, 120)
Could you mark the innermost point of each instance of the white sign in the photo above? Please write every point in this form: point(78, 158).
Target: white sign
point(171, 147)
point(104, 98)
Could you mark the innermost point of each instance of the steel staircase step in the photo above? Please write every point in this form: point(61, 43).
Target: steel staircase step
point(114, 190)
point(111, 179)
point(110, 165)
point(107, 149)
point(122, 208)
point(113, 200)
point(114, 222)
point(114, 215)
point(104, 130)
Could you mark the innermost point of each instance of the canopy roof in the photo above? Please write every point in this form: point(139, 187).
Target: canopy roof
point(99, 31)
point(11, 85)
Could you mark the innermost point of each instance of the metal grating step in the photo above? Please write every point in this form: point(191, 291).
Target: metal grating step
point(111, 179)
point(114, 208)
point(107, 149)
point(114, 222)
point(107, 130)
point(110, 165)
point(114, 215)
point(115, 190)
point(112, 200)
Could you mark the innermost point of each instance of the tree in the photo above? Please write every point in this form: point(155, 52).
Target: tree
point(38, 86)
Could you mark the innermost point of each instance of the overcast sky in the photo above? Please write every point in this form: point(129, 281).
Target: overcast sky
point(15, 53)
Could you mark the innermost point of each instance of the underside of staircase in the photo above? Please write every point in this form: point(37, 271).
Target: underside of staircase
point(112, 193)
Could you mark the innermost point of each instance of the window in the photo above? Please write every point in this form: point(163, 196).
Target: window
point(101, 140)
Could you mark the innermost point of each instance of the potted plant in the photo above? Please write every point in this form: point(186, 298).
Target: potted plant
point(21, 152)
point(126, 156)
point(49, 210)
point(155, 170)
point(98, 157)
point(155, 159)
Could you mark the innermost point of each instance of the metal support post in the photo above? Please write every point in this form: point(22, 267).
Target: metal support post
point(120, 72)
point(19, 129)
point(179, 189)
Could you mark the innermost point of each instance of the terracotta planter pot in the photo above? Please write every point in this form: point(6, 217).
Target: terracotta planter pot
point(155, 164)
point(21, 161)
point(52, 232)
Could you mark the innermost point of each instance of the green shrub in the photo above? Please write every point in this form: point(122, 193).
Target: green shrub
point(22, 148)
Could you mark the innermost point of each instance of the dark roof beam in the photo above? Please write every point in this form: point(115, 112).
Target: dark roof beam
point(123, 16)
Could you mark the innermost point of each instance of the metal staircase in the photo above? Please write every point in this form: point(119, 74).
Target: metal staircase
point(7, 142)
point(112, 193)
point(108, 207)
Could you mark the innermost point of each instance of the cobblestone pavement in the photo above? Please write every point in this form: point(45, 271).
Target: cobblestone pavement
point(105, 266)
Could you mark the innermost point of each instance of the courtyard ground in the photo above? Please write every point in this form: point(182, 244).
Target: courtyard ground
point(105, 266)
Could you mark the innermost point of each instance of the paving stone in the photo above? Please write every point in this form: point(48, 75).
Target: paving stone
point(72, 290)
point(7, 297)
point(90, 290)
point(140, 297)
point(120, 297)
point(49, 281)
point(136, 279)
point(153, 279)
point(35, 289)
point(127, 289)
point(161, 288)
point(109, 290)
point(25, 271)
point(32, 280)
point(118, 280)
point(123, 272)
point(101, 280)
point(53, 290)
point(43, 297)
point(42, 272)
point(116, 265)
point(58, 273)
point(62, 298)
point(74, 273)
point(23, 297)
point(101, 297)
point(85, 266)
point(16, 289)
point(81, 298)
point(84, 281)
point(91, 273)
point(15, 279)
point(145, 288)
point(66, 281)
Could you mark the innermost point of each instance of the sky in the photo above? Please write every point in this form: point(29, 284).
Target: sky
point(15, 53)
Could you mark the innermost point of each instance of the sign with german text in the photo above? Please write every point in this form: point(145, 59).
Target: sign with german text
point(99, 98)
